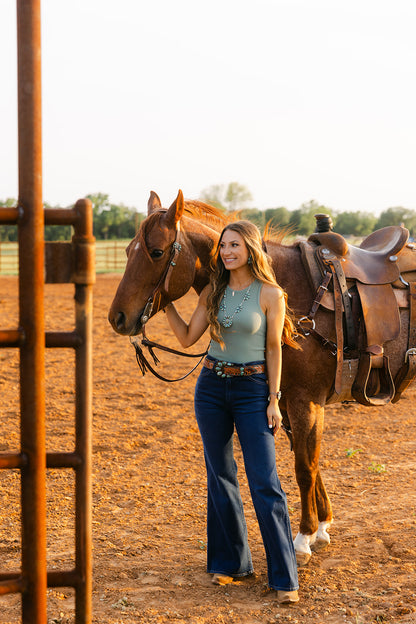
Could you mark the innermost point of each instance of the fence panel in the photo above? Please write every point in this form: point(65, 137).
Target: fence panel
point(110, 257)
point(9, 258)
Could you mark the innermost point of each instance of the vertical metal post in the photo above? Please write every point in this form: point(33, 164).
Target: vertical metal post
point(31, 295)
point(84, 280)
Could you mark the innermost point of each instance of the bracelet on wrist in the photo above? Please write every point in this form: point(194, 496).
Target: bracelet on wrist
point(278, 395)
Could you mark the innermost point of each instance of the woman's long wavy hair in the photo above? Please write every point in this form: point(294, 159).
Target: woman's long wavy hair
point(262, 270)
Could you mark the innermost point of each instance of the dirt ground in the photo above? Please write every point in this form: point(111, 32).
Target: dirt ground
point(149, 494)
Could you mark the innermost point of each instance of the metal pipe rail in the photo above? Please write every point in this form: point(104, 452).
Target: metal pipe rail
point(53, 460)
point(79, 254)
point(30, 338)
point(53, 340)
point(12, 583)
point(52, 216)
point(8, 216)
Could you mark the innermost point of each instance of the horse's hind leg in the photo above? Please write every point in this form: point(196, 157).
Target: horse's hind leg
point(307, 426)
point(323, 505)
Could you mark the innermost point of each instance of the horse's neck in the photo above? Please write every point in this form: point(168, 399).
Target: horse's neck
point(290, 273)
point(282, 257)
point(203, 240)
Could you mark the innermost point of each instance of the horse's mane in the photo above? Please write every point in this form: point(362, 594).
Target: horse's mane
point(214, 217)
point(217, 220)
point(194, 209)
point(278, 234)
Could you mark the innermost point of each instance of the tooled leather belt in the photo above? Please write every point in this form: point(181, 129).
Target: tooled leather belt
point(227, 369)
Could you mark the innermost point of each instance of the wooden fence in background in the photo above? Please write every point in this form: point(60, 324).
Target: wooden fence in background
point(110, 257)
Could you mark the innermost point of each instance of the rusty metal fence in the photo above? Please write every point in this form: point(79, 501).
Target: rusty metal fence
point(64, 262)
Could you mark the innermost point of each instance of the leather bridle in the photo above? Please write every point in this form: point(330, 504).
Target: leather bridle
point(164, 280)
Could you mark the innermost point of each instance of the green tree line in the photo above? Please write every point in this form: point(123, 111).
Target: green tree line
point(117, 221)
point(301, 221)
point(110, 221)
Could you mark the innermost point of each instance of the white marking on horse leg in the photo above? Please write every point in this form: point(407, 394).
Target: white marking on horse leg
point(322, 536)
point(323, 530)
point(303, 543)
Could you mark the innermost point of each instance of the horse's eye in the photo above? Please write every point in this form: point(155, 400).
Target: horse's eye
point(156, 253)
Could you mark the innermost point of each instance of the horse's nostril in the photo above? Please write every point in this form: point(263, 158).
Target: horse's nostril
point(120, 320)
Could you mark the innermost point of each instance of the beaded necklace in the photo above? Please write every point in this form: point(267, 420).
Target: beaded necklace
point(228, 319)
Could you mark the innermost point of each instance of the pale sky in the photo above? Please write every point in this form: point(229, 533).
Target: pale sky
point(295, 99)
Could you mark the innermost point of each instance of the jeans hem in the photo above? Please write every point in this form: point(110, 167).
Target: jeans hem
point(283, 588)
point(239, 575)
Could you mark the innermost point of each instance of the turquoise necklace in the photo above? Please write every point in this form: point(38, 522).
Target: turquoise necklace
point(227, 321)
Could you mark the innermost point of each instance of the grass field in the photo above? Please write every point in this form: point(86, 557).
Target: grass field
point(110, 257)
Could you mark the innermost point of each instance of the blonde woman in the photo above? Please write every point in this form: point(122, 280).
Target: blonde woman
point(239, 387)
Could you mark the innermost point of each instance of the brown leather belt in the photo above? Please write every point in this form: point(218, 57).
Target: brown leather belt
point(227, 369)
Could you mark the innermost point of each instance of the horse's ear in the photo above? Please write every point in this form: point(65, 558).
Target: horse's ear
point(175, 211)
point(154, 203)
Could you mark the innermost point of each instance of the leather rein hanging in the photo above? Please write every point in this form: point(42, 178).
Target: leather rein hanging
point(142, 362)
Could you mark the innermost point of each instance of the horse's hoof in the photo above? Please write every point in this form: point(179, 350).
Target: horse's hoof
point(302, 558)
point(322, 539)
point(319, 544)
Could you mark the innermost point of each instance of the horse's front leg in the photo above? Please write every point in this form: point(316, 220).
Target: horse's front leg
point(306, 419)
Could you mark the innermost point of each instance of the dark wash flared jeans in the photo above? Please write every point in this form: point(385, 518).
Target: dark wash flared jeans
point(220, 404)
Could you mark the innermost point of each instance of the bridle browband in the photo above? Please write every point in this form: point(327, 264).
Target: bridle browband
point(164, 280)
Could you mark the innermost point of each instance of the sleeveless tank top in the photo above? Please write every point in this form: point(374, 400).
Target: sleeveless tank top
point(245, 340)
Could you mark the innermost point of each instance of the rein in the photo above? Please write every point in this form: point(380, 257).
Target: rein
point(142, 362)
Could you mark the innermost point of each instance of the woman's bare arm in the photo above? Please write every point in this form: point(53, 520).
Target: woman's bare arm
point(274, 306)
point(189, 333)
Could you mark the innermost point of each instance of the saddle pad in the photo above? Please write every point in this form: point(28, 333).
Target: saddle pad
point(380, 312)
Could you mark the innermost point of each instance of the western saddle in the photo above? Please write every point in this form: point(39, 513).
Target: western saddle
point(370, 284)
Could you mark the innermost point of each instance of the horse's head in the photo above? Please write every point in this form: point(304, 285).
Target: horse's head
point(160, 268)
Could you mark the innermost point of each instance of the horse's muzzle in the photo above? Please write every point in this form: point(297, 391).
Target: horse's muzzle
point(121, 325)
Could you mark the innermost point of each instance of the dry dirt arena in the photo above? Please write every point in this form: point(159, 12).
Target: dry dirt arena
point(149, 494)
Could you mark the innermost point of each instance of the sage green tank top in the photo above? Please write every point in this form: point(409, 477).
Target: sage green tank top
point(245, 339)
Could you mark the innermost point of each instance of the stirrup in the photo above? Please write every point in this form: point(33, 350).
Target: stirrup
point(385, 391)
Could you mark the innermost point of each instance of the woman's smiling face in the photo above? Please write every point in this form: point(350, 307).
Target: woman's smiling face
point(233, 250)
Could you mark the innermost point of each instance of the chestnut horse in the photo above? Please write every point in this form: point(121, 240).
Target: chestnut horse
point(308, 374)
